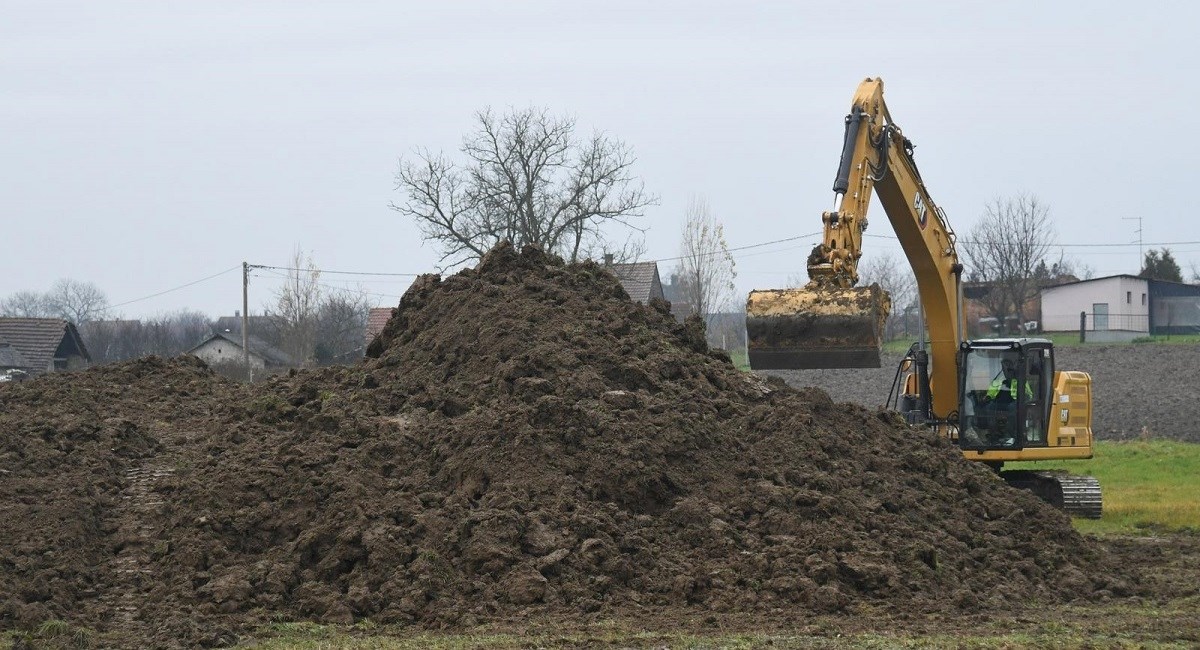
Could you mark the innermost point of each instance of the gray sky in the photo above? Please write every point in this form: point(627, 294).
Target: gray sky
point(146, 145)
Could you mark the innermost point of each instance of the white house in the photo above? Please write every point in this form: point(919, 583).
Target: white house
point(225, 348)
point(1121, 307)
point(1117, 303)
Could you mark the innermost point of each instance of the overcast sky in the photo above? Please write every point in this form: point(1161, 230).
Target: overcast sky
point(146, 145)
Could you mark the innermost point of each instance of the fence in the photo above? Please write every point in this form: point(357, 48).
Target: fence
point(1102, 326)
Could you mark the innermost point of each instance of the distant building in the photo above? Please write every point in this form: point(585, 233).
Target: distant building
point(41, 345)
point(673, 293)
point(1122, 307)
point(639, 279)
point(377, 319)
point(224, 348)
point(12, 364)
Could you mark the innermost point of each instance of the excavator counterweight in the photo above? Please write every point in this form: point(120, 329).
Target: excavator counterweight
point(816, 327)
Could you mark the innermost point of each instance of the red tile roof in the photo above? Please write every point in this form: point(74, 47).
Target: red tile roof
point(376, 319)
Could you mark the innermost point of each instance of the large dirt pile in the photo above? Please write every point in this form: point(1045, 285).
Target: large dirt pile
point(524, 438)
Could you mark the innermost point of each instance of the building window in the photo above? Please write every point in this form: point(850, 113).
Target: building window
point(1143, 300)
point(1128, 297)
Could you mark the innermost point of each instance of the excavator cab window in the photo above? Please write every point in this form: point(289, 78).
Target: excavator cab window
point(1005, 396)
point(1039, 373)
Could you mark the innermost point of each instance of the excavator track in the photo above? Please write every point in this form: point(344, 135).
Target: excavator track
point(1079, 496)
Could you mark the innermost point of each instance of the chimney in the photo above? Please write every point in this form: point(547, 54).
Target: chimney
point(608, 258)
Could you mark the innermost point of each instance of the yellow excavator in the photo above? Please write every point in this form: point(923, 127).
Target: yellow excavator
point(999, 399)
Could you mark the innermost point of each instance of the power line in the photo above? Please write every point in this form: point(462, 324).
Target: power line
point(1165, 243)
point(327, 286)
point(182, 286)
point(323, 271)
point(741, 248)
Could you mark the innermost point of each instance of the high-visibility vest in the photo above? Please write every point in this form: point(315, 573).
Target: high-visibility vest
point(998, 384)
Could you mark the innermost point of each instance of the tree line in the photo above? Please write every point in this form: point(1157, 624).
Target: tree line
point(311, 323)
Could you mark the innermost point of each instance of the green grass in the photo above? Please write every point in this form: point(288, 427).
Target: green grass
point(740, 360)
point(1094, 626)
point(1148, 486)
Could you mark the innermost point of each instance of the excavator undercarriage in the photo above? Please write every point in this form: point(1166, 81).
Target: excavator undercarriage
point(1079, 496)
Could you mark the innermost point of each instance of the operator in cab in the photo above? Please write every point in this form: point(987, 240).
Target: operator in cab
point(1005, 384)
point(1001, 398)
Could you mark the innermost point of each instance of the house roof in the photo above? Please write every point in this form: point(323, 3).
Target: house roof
point(258, 347)
point(10, 357)
point(1107, 277)
point(638, 280)
point(38, 339)
point(377, 318)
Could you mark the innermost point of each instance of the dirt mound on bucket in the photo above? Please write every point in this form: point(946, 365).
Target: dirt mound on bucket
point(525, 438)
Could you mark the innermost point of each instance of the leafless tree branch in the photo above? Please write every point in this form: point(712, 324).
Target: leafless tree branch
point(526, 179)
point(1005, 250)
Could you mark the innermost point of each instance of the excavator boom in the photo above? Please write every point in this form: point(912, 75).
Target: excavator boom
point(833, 323)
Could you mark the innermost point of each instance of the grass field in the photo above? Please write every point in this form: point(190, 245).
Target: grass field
point(989, 635)
point(1148, 485)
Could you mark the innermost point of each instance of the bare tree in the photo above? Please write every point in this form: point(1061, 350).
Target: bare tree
point(632, 250)
point(76, 301)
point(26, 304)
point(296, 305)
point(706, 269)
point(897, 279)
point(341, 323)
point(165, 335)
point(527, 179)
point(1004, 251)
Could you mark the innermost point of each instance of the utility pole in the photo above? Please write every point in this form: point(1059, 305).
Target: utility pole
point(246, 320)
point(1141, 253)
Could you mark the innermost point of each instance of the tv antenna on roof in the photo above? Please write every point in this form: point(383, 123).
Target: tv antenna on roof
point(1141, 253)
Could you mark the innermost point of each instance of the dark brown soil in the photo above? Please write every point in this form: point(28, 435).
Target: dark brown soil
point(523, 441)
point(1140, 388)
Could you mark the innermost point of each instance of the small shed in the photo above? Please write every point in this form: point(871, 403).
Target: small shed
point(1174, 307)
point(1122, 307)
point(43, 345)
point(225, 348)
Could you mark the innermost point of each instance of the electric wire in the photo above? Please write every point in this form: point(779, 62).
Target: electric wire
point(182, 286)
point(739, 248)
point(323, 271)
point(327, 286)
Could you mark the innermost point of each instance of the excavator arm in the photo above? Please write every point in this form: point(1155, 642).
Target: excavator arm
point(831, 323)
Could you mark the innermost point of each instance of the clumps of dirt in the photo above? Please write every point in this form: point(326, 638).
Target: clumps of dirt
point(524, 438)
point(66, 444)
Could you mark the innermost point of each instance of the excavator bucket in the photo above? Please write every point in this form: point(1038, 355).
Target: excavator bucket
point(816, 327)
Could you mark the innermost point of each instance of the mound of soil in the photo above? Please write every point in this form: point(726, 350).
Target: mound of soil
point(523, 438)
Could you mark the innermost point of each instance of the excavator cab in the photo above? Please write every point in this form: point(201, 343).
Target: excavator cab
point(1005, 393)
